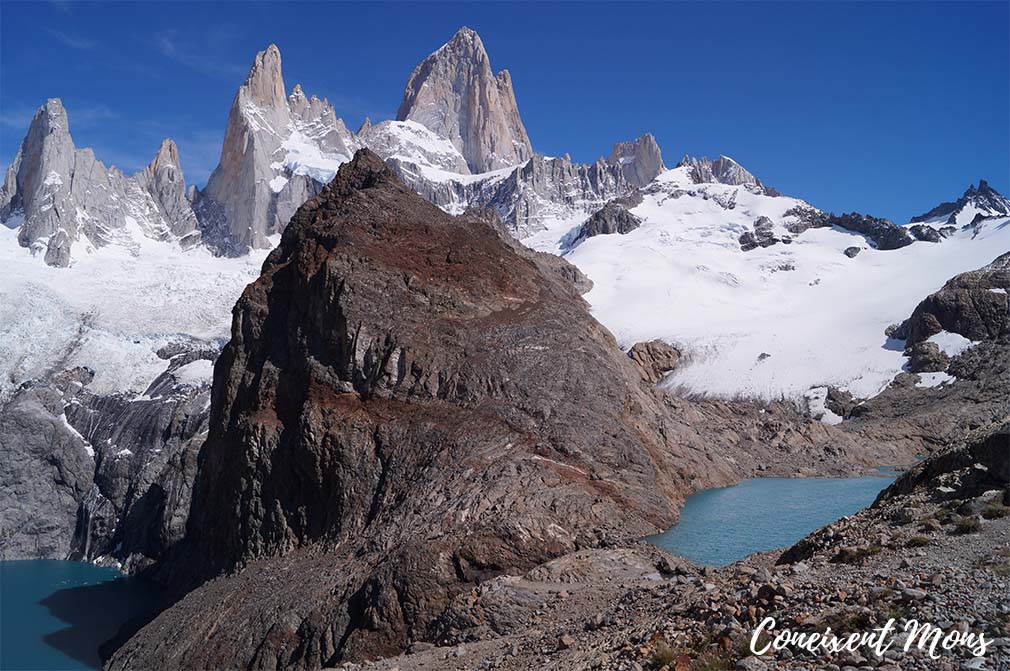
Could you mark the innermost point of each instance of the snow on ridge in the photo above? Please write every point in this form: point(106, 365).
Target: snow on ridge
point(771, 322)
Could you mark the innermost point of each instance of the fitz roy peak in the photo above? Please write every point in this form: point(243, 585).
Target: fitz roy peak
point(454, 93)
point(60, 197)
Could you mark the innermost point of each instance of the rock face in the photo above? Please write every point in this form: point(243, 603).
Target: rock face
point(102, 478)
point(981, 200)
point(454, 93)
point(57, 195)
point(975, 305)
point(278, 150)
point(925, 233)
point(392, 423)
point(884, 234)
point(641, 160)
point(723, 170)
point(655, 358)
point(852, 252)
point(611, 218)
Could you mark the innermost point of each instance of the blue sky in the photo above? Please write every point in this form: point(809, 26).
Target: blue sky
point(884, 108)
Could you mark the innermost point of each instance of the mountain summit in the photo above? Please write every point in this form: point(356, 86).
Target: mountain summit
point(454, 93)
point(277, 152)
point(980, 201)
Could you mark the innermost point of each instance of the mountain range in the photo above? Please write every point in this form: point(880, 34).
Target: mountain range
point(372, 391)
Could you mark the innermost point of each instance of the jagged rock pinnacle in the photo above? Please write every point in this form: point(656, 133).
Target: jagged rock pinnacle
point(454, 93)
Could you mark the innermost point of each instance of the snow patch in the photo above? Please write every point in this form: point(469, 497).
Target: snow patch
point(951, 344)
point(682, 277)
point(934, 379)
point(195, 373)
point(277, 183)
point(87, 444)
point(816, 399)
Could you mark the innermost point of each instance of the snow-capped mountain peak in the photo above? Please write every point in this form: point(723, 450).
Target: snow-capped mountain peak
point(454, 93)
point(976, 204)
point(65, 202)
point(278, 151)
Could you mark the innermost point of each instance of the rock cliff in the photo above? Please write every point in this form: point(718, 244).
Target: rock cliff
point(278, 150)
point(408, 406)
point(58, 196)
point(454, 93)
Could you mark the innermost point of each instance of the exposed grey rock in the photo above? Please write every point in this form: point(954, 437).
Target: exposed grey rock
point(57, 195)
point(109, 477)
point(925, 233)
point(852, 252)
point(611, 218)
point(723, 170)
point(256, 187)
point(163, 179)
point(641, 160)
point(454, 93)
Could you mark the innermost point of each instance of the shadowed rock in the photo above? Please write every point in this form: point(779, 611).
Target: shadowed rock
point(407, 407)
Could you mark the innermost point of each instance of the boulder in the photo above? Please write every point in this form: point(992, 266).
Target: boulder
point(655, 358)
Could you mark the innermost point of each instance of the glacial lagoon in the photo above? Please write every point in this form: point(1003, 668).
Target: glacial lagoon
point(720, 526)
point(56, 614)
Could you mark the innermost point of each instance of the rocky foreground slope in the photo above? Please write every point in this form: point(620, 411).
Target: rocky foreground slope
point(935, 547)
point(412, 404)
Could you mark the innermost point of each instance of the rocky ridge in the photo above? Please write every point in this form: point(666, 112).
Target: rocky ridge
point(980, 201)
point(364, 393)
point(59, 197)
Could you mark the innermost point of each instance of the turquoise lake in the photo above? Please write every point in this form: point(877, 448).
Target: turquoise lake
point(720, 526)
point(54, 615)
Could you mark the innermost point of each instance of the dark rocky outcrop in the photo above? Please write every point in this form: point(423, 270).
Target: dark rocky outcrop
point(408, 407)
point(798, 219)
point(926, 357)
point(984, 198)
point(852, 252)
point(655, 358)
point(884, 234)
point(974, 304)
point(761, 236)
point(925, 233)
point(611, 218)
point(928, 418)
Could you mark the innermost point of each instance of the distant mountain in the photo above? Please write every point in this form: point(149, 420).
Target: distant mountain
point(978, 202)
point(278, 151)
point(454, 93)
point(63, 200)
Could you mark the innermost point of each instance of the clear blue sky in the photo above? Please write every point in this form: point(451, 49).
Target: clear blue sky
point(884, 108)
